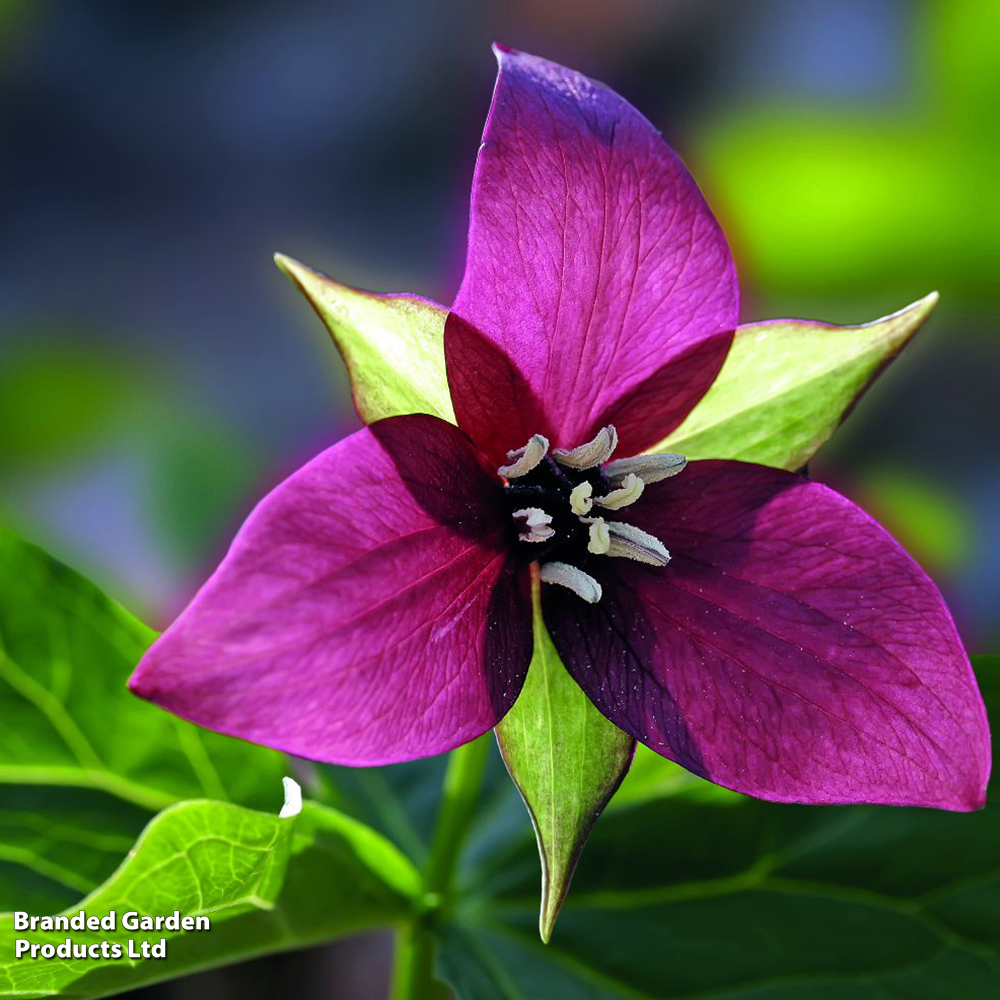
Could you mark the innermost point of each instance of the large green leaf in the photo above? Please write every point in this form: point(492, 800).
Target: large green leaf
point(393, 345)
point(786, 385)
point(697, 896)
point(66, 652)
point(266, 884)
point(566, 759)
point(85, 762)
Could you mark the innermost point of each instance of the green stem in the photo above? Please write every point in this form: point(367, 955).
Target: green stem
point(458, 801)
point(413, 964)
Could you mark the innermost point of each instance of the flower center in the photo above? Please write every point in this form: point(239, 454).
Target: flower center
point(560, 504)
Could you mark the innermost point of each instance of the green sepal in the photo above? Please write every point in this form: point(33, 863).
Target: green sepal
point(786, 386)
point(566, 760)
point(393, 345)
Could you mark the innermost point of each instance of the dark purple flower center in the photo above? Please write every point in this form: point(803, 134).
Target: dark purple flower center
point(548, 488)
point(560, 502)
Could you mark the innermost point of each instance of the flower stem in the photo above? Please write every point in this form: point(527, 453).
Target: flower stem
point(413, 964)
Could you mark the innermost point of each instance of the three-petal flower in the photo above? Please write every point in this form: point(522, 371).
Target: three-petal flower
point(744, 621)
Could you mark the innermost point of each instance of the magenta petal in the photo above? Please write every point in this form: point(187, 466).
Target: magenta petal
point(593, 260)
point(790, 650)
point(367, 611)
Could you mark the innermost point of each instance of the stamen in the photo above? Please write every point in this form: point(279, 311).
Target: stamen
point(599, 536)
point(536, 524)
point(580, 499)
point(548, 479)
point(630, 490)
point(525, 459)
point(649, 468)
point(630, 542)
point(582, 584)
point(595, 452)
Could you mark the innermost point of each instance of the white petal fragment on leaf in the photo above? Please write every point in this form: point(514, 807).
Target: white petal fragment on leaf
point(293, 798)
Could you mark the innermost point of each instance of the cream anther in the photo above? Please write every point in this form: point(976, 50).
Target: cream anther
point(523, 460)
point(599, 540)
point(630, 542)
point(580, 499)
point(627, 493)
point(582, 584)
point(649, 468)
point(593, 453)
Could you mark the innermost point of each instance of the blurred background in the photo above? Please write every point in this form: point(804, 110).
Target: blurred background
point(157, 373)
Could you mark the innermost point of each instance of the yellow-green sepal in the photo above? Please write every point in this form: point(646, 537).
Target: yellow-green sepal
point(787, 384)
point(566, 760)
point(393, 345)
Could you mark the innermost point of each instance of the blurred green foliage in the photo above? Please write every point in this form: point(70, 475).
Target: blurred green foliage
point(66, 400)
point(928, 518)
point(893, 199)
point(57, 399)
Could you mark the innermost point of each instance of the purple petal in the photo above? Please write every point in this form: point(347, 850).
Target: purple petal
point(367, 611)
point(493, 403)
point(790, 650)
point(593, 260)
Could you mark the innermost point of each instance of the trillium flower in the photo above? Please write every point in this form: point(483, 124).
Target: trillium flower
point(744, 621)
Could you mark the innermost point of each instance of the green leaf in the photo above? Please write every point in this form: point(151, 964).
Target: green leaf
point(85, 762)
point(266, 884)
point(566, 759)
point(393, 345)
point(66, 652)
point(731, 898)
point(57, 844)
point(786, 385)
